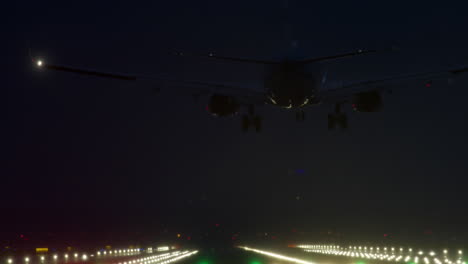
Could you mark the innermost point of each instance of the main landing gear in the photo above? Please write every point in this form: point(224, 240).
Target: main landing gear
point(251, 119)
point(337, 119)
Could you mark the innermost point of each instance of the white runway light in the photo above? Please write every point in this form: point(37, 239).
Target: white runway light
point(419, 256)
point(274, 255)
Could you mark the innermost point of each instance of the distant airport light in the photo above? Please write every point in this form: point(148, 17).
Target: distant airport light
point(432, 253)
point(85, 257)
point(76, 255)
point(420, 252)
point(39, 63)
point(42, 258)
point(26, 259)
point(55, 257)
point(445, 251)
point(10, 261)
point(460, 252)
point(66, 256)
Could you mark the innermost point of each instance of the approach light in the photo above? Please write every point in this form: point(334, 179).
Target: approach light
point(26, 259)
point(10, 261)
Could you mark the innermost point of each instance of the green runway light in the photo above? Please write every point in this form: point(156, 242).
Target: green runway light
point(255, 262)
point(360, 262)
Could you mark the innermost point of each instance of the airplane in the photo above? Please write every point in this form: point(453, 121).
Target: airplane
point(288, 84)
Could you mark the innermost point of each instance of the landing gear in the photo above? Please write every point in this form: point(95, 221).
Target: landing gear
point(245, 123)
point(337, 119)
point(300, 116)
point(251, 120)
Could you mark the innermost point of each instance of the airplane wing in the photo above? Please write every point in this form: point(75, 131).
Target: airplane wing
point(270, 62)
point(345, 55)
point(344, 92)
point(194, 88)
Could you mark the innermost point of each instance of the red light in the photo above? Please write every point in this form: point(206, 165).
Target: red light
point(188, 238)
point(385, 235)
point(217, 225)
point(353, 106)
point(22, 236)
point(428, 84)
point(207, 108)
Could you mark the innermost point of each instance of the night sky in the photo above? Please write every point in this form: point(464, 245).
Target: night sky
point(85, 153)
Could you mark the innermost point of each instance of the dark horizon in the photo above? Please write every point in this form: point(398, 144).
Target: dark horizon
point(95, 155)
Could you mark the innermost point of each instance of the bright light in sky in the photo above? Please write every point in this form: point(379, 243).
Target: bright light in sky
point(39, 63)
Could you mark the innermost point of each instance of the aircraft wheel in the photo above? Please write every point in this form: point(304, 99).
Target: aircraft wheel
point(245, 123)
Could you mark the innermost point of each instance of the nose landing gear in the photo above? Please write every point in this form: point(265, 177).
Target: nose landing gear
point(300, 116)
point(337, 119)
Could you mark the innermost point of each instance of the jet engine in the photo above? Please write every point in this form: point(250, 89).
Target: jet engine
point(222, 105)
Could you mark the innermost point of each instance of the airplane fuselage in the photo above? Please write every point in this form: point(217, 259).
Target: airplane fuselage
point(291, 85)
